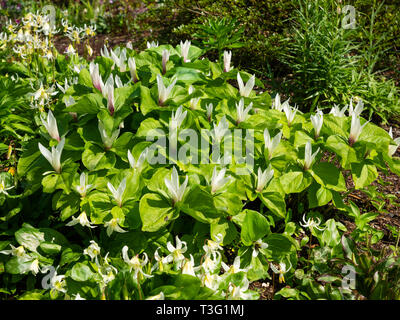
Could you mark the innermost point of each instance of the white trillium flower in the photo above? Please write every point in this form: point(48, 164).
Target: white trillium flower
point(245, 90)
point(242, 113)
point(220, 130)
point(392, 148)
point(119, 60)
point(271, 144)
point(357, 110)
point(290, 113)
point(227, 61)
point(317, 120)
point(164, 92)
point(51, 125)
point(118, 82)
point(176, 192)
point(96, 77)
point(263, 177)
point(137, 164)
point(132, 69)
point(152, 44)
point(53, 157)
point(337, 112)
point(113, 226)
point(107, 141)
point(82, 220)
point(119, 192)
point(209, 109)
point(281, 270)
point(218, 179)
point(276, 103)
point(194, 101)
point(309, 156)
point(177, 118)
point(185, 46)
point(311, 223)
point(165, 58)
point(355, 129)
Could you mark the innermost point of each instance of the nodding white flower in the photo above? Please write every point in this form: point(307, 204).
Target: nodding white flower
point(119, 192)
point(311, 223)
point(15, 251)
point(309, 156)
point(57, 282)
point(70, 50)
point(159, 296)
point(119, 61)
point(137, 164)
point(242, 113)
point(89, 50)
point(357, 110)
point(165, 58)
point(78, 68)
point(271, 144)
point(290, 113)
point(263, 177)
point(317, 120)
point(355, 129)
point(194, 101)
point(161, 261)
point(188, 267)
point(93, 250)
point(257, 246)
point(392, 148)
point(177, 118)
point(48, 55)
point(51, 125)
point(43, 95)
point(185, 50)
point(3, 188)
point(276, 103)
point(53, 157)
point(129, 45)
point(218, 179)
point(176, 253)
point(227, 61)
point(113, 225)
point(220, 130)
point(211, 264)
point(211, 281)
point(164, 92)
point(132, 69)
point(135, 262)
point(176, 192)
point(281, 270)
point(107, 141)
point(83, 188)
point(239, 292)
point(96, 77)
point(211, 247)
point(152, 44)
point(69, 102)
point(337, 112)
point(209, 109)
point(78, 297)
point(245, 90)
point(82, 220)
point(234, 268)
point(34, 267)
point(65, 88)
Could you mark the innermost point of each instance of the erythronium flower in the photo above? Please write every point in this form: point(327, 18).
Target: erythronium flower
point(34, 267)
point(176, 192)
point(211, 246)
point(245, 90)
point(177, 118)
point(82, 220)
point(290, 113)
point(159, 296)
point(234, 268)
point(220, 130)
point(257, 246)
point(218, 179)
point(51, 125)
point(107, 141)
point(53, 157)
point(357, 110)
point(89, 50)
point(355, 129)
point(164, 92)
point(58, 283)
point(93, 250)
point(161, 261)
point(70, 50)
point(185, 50)
point(271, 144)
point(95, 75)
point(135, 262)
point(211, 263)
point(242, 113)
point(392, 148)
point(211, 281)
point(113, 225)
point(309, 156)
point(239, 292)
point(176, 253)
point(118, 193)
point(317, 120)
point(337, 112)
point(42, 95)
point(281, 270)
point(311, 223)
point(15, 251)
point(3, 188)
point(209, 109)
point(188, 267)
point(227, 61)
point(263, 177)
point(165, 58)
point(132, 69)
point(137, 164)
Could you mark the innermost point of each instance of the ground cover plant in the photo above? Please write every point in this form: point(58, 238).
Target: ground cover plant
point(163, 174)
